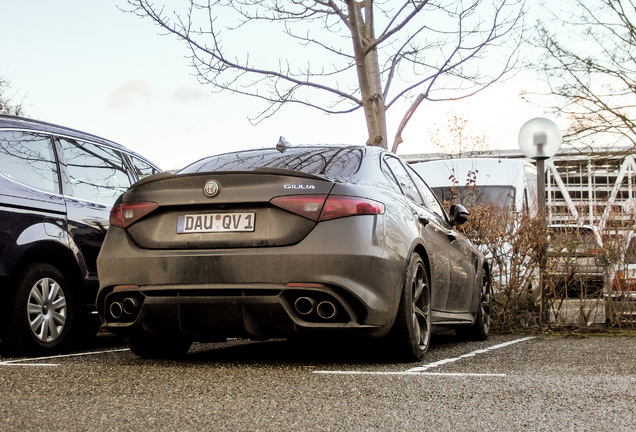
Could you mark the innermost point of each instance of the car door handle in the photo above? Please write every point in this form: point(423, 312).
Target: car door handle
point(450, 236)
point(423, 220)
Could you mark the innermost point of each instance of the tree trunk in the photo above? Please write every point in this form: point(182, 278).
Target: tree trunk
point(367, 67)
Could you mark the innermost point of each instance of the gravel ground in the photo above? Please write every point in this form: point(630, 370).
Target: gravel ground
point(544, 383)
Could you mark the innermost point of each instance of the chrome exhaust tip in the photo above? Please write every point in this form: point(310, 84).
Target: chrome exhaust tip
point(304, 305)
point(326, 310)
point(130, 305)
point(116, 310)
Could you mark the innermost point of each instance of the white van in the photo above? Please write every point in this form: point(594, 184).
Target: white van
point(473, 181)
point(506, 183)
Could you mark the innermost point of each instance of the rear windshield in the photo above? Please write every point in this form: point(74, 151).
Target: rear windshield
point(324, 162)
point(573, 238)
point(475, 196)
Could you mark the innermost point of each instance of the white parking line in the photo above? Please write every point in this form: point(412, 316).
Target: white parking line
point(423, 370)
point(28, 361)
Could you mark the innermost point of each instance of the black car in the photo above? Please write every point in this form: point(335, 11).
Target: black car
point(57, 186)
point(288, 241)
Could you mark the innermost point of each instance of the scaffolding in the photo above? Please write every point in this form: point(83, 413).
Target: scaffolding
point(591, 186)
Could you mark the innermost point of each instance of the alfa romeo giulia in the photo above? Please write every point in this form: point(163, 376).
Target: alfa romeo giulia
point(289, 241)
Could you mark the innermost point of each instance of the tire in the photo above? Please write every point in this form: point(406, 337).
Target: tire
point(412, 329)
point(40, 313)
point(480, 329)
point(149, 346)
point(87, 326)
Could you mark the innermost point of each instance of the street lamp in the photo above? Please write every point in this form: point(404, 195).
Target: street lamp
point(540, 139)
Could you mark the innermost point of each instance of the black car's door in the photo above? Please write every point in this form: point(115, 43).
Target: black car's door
point(31, 206)
point(93, 177)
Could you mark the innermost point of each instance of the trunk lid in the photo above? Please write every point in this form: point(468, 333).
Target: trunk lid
point(223, 209)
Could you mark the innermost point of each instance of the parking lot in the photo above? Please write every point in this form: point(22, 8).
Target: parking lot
point(509, 382)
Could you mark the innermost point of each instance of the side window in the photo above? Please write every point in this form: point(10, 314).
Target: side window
point(29, 159)
point(389, 175)
point(95, 173)
point(404, 180)
point(430, 201)
point(142, 168)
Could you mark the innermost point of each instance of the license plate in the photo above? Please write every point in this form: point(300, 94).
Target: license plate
point(215, 222)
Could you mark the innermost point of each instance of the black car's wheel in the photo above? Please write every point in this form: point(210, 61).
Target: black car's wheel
point(40, 312)
point(480, 329)
point(412, 328)
point(155, 347)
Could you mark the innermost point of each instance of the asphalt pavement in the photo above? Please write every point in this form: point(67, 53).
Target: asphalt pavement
point(508, 383)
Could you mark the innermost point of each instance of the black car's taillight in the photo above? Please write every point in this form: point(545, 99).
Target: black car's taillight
point(323, 207)
point(124, 214)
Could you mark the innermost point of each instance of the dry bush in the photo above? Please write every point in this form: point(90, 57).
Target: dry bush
point(523, 251)
point(511, 241)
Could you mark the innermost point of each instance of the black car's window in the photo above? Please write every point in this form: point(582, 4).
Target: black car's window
point(430, 201)
point(95, 173)
point(29, 159)
point(142, 168)
point(334, 162)
point(406, 183)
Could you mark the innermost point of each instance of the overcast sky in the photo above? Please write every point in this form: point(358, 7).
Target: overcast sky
point(90, 66)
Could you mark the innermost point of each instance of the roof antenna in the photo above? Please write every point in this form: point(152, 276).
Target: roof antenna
point(282, 144)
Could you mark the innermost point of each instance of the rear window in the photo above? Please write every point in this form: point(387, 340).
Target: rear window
point(95, 173)
point(573, 238)
point(324, 162)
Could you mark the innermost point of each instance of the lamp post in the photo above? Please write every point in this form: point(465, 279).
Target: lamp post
point(540, 139)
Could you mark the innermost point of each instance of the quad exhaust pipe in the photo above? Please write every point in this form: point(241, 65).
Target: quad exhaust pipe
point(326, 310)
point(304, 305)
point(307, 305)
point(128, 307)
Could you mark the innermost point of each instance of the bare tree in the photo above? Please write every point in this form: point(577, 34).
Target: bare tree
point(362, 54)
point(456, 139)
point(590, 68)
point(7, 104)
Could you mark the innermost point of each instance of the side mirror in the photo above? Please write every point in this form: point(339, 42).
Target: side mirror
point(458, 214)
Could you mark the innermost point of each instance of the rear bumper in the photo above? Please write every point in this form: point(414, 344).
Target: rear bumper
point(211, 294)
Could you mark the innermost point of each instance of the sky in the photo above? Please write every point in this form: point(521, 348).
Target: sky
point(90, 66)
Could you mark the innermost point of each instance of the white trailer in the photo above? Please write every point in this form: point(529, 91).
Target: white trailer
point(473, 181)
point(510, 184)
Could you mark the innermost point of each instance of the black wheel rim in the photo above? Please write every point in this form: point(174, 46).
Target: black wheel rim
point(485, 305)
point(421, 308)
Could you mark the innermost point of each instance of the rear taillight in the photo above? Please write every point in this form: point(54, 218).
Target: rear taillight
point(323, 208)
point(308, 206)
point(342, 206)
point(124, 214)
point(621, 283)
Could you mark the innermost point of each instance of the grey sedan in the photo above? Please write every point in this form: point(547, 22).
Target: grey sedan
point(289, 241)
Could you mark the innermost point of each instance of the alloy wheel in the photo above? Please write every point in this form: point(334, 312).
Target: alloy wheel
point(47, 310)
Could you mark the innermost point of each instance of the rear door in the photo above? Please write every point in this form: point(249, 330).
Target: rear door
point(462, 277)
point(93, 177)
point(431, 230)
